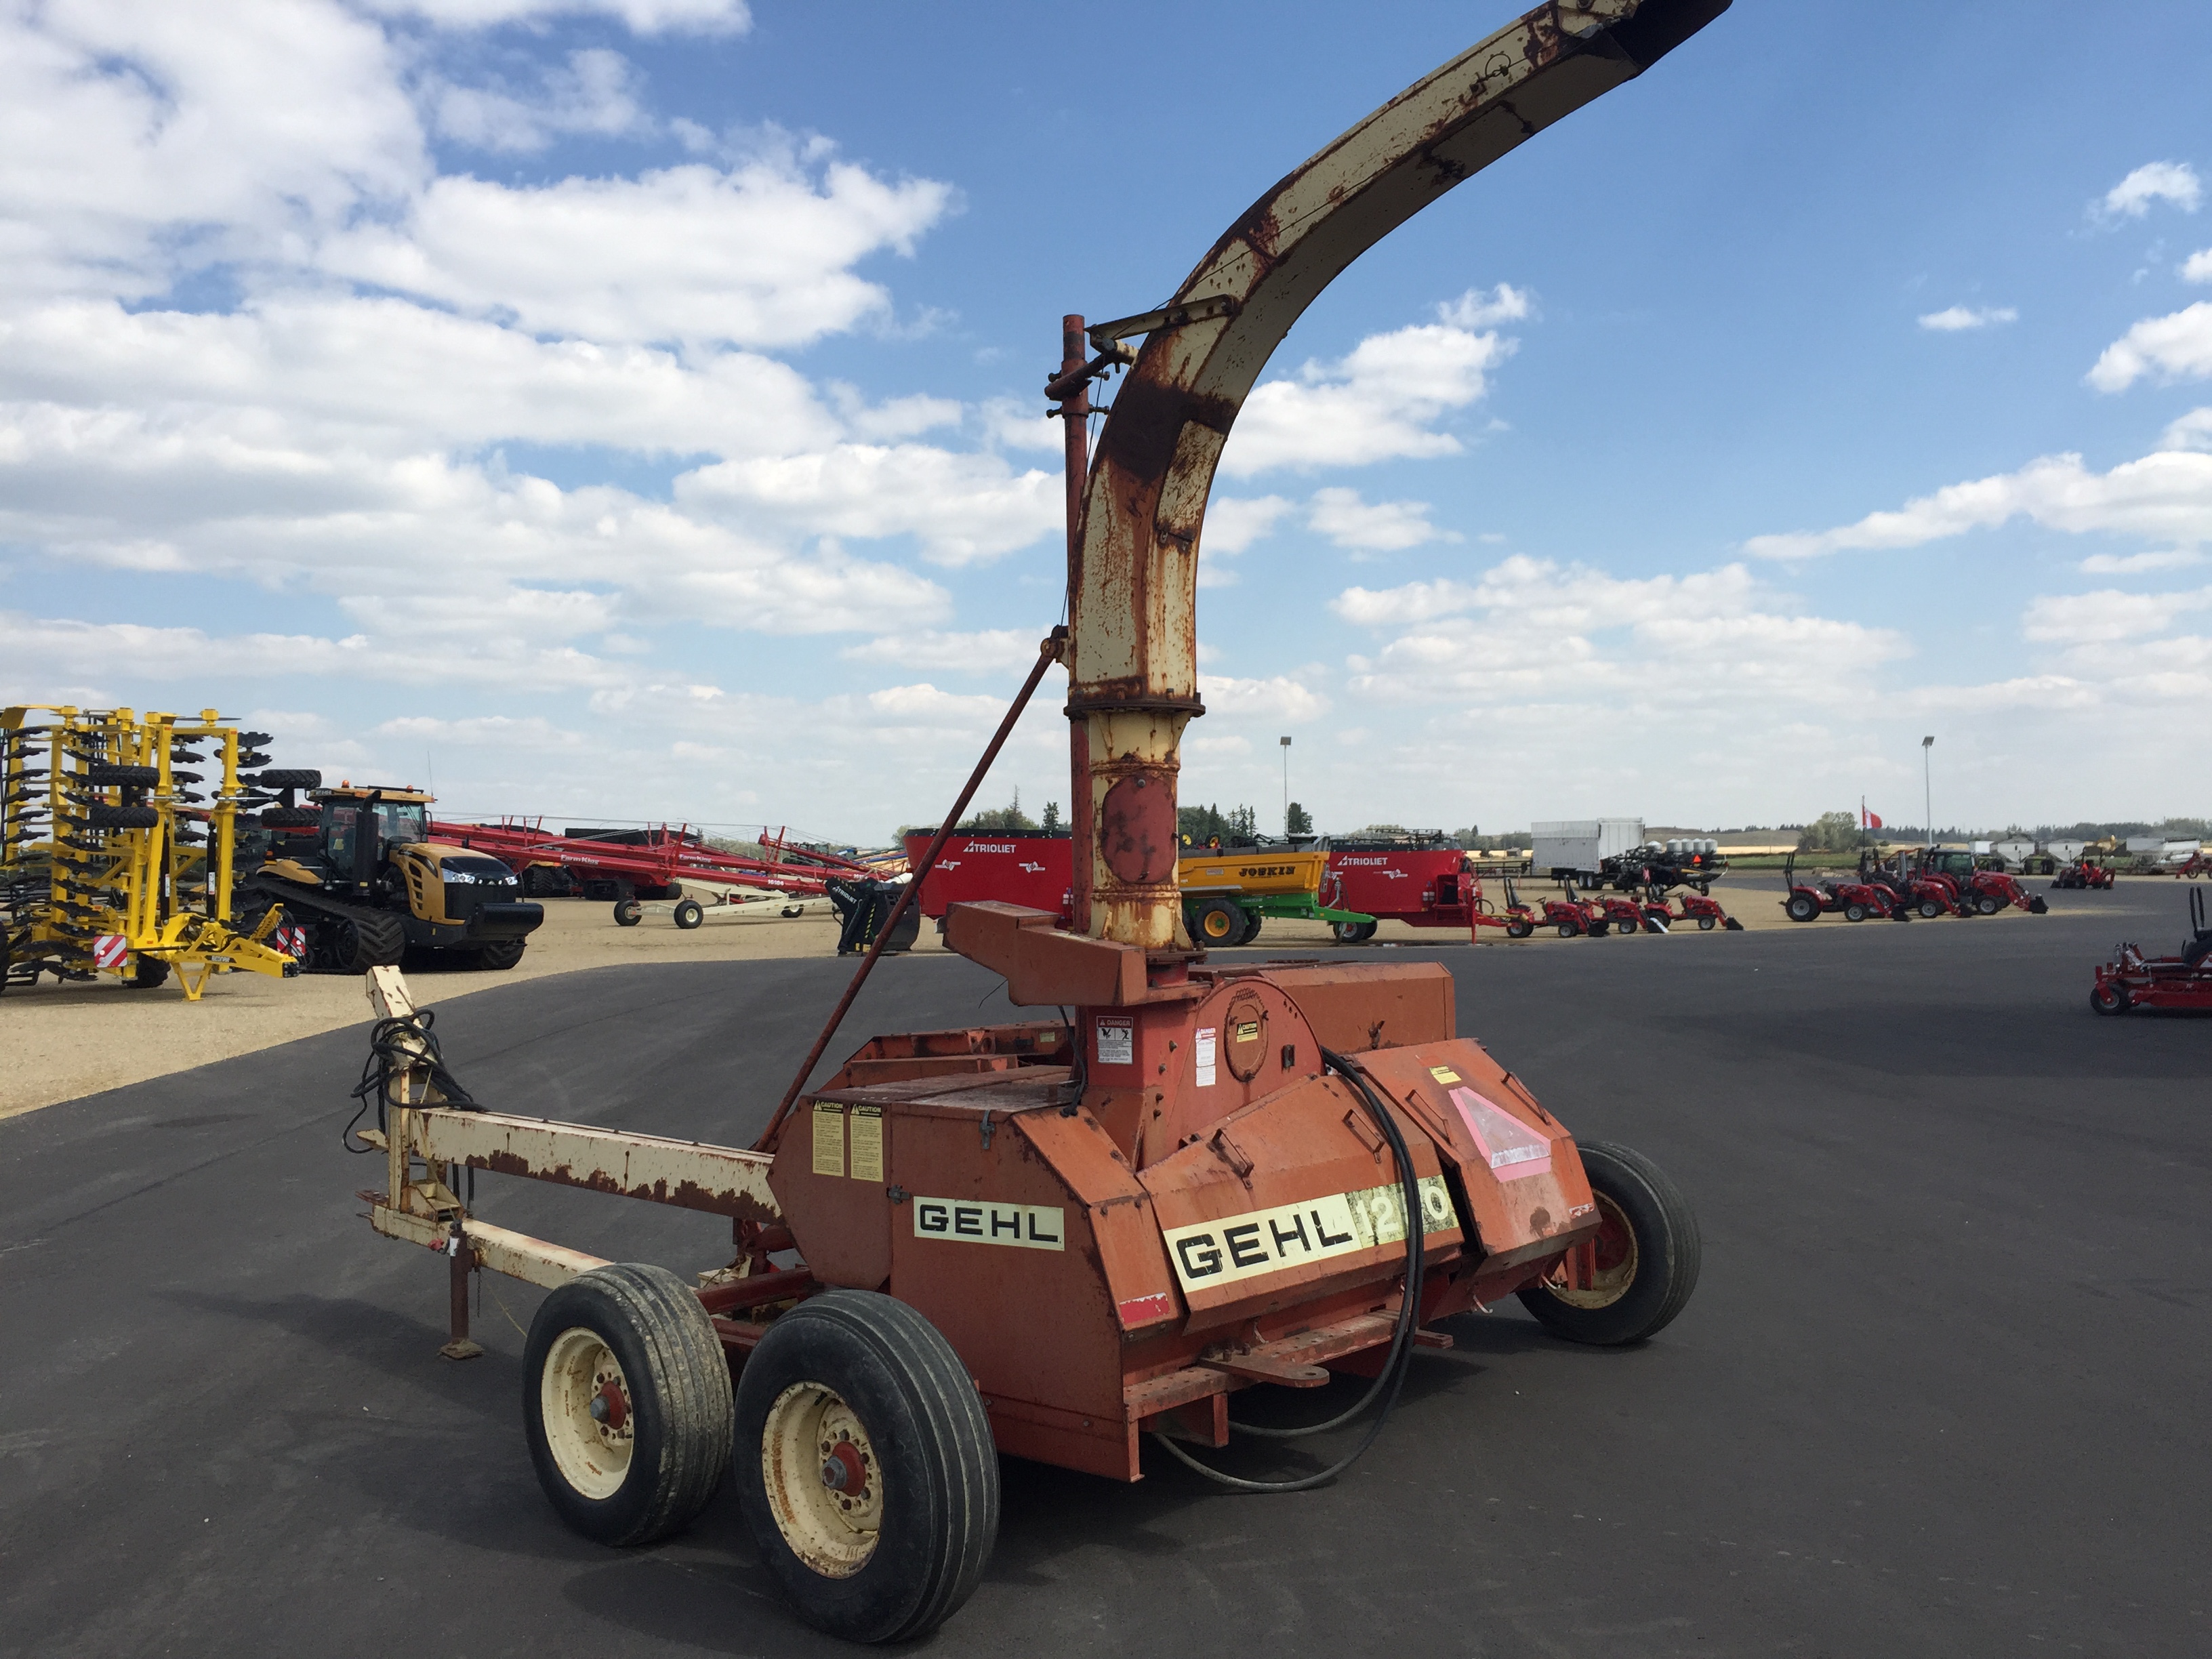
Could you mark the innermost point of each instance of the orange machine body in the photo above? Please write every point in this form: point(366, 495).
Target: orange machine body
point(1117, 1224)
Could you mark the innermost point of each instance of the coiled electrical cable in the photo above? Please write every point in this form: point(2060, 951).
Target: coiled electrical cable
point(389, 1061)
point(1392, 1377)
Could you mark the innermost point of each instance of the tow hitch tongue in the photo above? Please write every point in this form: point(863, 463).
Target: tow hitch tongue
point(1064, 1239)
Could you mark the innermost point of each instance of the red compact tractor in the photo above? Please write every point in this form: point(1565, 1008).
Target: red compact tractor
point(2131, 980)
point(1924, 896)
point(2085, 872)
point(1854, 901)
point(1704, 911)
point(1075, 1239)
point(1972, 885)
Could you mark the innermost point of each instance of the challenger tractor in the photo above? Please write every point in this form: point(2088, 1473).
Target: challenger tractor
point(358, 872)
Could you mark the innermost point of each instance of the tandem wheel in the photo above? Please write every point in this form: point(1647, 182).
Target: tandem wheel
point(865, 1465)
point(626, 1403)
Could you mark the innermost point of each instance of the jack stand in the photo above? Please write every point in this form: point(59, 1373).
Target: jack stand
point(460, 1260)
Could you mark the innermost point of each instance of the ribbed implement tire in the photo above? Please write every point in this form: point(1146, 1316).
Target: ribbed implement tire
point(122, 817)
point(679, 1396)
point(290, 817)
point(126, 777)
point(907, 1387)
point(1670, 1251)
point(288, 778)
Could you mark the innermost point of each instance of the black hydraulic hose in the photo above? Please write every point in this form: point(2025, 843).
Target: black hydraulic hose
point(1392, 1377)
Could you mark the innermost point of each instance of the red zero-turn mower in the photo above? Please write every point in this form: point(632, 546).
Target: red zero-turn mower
point(2131, 980)
point(1075, 1240)
point(2084, 873)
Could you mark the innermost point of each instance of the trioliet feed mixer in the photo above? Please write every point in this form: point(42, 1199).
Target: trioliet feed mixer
point(1061, 1240)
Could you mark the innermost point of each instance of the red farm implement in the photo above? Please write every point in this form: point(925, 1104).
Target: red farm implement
point(652, 863)
point(2131, 980)
point(1424, 881)
point(1072, 1240)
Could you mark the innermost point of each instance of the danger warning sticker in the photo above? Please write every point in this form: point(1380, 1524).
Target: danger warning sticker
point(1117, 1042)
point(1210, 1253)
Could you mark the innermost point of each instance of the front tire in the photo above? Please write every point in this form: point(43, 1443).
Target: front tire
point(1705, 924)
point(688, 914)
point(628, 913)
point(865, 1470)
point(1649, 1250)
point(1987, 904)
point(626, 1403)
point(2109, 999)
point(501, 954)
point(1855, 913)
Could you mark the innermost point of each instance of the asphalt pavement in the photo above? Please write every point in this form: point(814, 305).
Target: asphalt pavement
point(1942, 1390)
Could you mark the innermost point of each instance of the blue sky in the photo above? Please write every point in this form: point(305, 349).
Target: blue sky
point(626, 408)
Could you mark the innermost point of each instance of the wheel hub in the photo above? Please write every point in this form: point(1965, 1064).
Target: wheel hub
point(584, 1402)
point(823, 1480)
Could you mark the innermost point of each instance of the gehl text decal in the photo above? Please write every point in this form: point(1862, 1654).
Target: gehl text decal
point(979, 1221)
point(1210, 1253)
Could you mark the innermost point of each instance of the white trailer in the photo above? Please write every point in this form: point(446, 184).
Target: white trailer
point(1574, 848)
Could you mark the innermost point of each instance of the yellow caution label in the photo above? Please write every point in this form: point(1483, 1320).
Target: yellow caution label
point(867, 1143)
point(828, 1139)
point(1443, 1074)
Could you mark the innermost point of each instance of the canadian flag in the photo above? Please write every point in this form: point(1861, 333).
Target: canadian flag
point(1867, 820)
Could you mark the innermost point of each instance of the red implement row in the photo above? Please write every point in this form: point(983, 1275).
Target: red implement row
point(658, 859)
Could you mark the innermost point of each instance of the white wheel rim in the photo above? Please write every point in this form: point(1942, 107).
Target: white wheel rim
point(810, 1438)
point(593, 1452)
point(1610, 1282)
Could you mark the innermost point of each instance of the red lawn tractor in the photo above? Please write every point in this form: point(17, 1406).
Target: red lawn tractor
point(2131, 980)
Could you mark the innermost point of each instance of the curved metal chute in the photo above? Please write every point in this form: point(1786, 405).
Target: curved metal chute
point(1133, 582)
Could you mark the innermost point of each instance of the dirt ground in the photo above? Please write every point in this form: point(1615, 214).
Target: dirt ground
point(62, 1042)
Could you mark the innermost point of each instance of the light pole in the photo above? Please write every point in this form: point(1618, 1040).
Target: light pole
point(1927, 786)
point(1286, 789)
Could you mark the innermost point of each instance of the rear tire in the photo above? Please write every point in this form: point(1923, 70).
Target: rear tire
point(1217, 922)
point(854, 1384)
point(1253, 922)
point(1519, 929)
point(1802, 907)
point(626, 1340)
point(147, 973)
point(688, 914)
point(1649, 1254)
point(1356, 932)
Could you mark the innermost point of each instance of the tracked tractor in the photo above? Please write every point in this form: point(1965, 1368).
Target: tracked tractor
point(357, 871)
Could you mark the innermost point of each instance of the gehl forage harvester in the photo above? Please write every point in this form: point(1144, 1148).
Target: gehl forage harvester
point(1061, 1240)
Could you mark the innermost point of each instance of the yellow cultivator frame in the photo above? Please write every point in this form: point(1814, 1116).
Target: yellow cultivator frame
point(110, 861)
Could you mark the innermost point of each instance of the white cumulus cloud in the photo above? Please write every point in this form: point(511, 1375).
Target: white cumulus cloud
point(1348, 521)
point(2174, 348)
point(643, 17)
point(1957, 319)
point(2153, 182)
